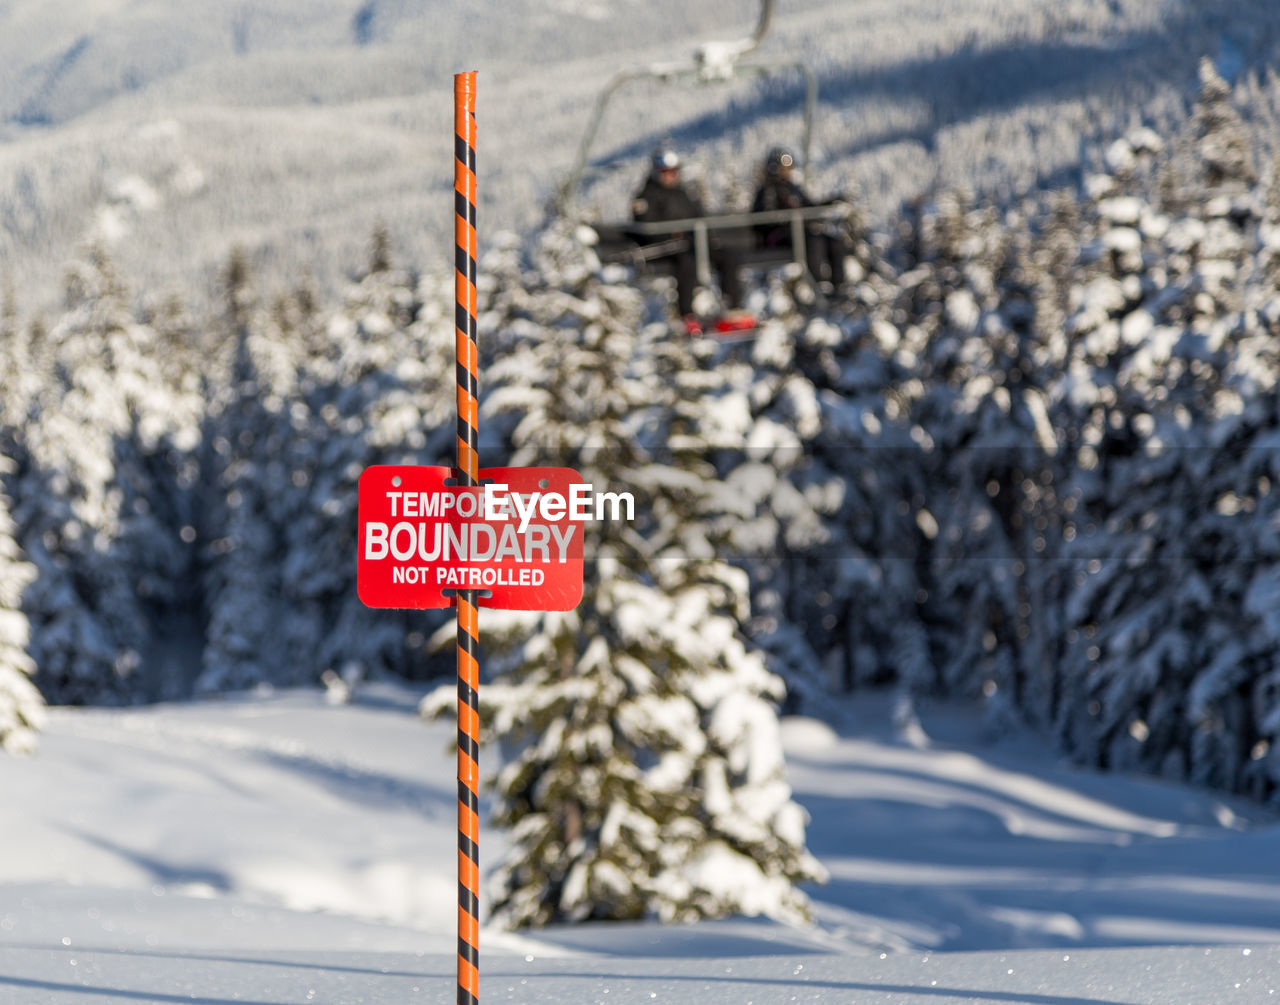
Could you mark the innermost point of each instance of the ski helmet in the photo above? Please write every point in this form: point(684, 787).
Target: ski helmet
point(778, 160)
point(665, 159)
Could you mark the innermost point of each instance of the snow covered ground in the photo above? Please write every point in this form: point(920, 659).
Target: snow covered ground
point(277, 849)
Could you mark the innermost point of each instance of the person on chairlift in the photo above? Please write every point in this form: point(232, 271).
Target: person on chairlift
point(824, 247)
point(664, 198)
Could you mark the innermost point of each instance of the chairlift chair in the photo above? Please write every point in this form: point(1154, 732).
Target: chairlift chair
point(713, 62)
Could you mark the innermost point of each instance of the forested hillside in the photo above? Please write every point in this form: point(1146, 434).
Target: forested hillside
point(287, 129)
point(1028, 460)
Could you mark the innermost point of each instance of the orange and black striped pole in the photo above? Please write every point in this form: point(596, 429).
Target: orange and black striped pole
point(468, 473)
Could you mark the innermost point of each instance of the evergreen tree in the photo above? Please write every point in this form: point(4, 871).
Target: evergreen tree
point(378, 388)
point(821, 532)
point(1167, 667)
point(102, 410)
point(643, 774)
point(21, 707)
point(1221, 142)
point(249, 483)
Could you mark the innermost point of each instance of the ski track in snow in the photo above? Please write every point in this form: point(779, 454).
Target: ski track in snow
point(66, 976)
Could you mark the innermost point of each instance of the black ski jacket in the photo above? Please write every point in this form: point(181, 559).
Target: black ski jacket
point(777, 193)
point(655, 203)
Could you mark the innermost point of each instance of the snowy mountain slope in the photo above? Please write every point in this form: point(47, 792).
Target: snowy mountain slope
point(259, 799)
point(272, 848)
point(63, 61)
point(291, 129)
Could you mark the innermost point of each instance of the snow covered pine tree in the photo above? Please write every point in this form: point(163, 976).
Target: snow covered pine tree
point(643, 772)
point(378, 389)
point(91, 434)
point(21, 707)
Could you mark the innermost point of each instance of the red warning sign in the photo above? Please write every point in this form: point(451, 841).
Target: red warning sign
point(517, 538)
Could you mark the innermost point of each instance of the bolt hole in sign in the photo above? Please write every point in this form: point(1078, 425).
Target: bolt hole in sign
point(422, 538)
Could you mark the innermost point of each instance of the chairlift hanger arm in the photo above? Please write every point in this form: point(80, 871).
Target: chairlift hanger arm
point(668, 73)
point(713, 61)
point(766, 21)
point(570, 185)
